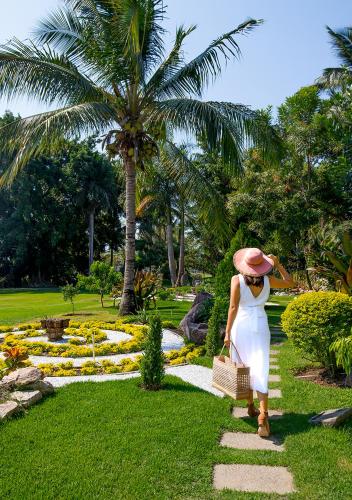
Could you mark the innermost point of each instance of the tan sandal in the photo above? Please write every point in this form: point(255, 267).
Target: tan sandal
point(252, 410)
point(263, 425)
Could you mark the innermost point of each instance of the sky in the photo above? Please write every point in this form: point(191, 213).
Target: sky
point(287, 52)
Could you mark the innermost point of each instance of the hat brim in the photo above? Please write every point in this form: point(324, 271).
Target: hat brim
point(250, 270)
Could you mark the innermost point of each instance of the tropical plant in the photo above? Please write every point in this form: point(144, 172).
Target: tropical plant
point(341, 41)
point(343, 352)
point(145, 289)
point(152, 362)
point(15, 357)
point(69, 292)
point(340, 269)
point(102, 62)
point(102, 278)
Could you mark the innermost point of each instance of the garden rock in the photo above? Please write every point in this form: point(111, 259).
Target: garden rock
point(191, 326)
point(23, 377)
point(26, 398)
point(8, 409)
point(42, 386)
point(332, 418)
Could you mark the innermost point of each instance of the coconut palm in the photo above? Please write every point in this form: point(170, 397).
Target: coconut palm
point(341, 41)
point(102, 64)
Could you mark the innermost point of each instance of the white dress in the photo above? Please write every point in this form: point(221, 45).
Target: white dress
point(251, 335)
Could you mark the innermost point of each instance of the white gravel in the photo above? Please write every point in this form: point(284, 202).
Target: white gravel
point(199, 376)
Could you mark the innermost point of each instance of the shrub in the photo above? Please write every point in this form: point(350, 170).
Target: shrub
point(152, 363)
point(178, 361)
point(89, 370)
point(169, 324)
point(224, 273)
point(315, 320)
point(343, 352)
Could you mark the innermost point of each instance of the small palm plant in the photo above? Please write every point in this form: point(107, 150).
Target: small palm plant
point(102, 64)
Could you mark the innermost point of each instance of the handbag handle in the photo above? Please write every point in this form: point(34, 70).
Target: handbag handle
point(238, 354)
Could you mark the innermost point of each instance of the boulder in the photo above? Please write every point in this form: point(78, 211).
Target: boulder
point(43, 386)
point(8, 409)
point(26, 398)
point(332, 418)
point(23, 377)
point(190, 325)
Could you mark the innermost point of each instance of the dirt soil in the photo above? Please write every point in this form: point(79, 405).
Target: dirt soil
point(322, 377)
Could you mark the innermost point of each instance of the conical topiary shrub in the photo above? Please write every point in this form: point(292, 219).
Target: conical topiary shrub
point(152, 363)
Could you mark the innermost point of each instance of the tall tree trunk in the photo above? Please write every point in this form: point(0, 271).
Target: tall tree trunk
point(91, 238)
point(111, 255)
point(170, 246)
point(181, 259)
point(128, 304)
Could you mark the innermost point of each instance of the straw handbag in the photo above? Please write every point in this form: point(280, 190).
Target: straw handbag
point(231, 378)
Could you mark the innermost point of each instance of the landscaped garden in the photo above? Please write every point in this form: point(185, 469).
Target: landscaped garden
point(122, 203)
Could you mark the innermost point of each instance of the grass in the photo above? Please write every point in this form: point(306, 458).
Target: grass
point(17, 306)
point(114, 440)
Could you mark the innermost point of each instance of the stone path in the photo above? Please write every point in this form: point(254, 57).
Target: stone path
point(255, 478)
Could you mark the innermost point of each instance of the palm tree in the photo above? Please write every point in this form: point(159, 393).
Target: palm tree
point(341, 41)
point(102, 63)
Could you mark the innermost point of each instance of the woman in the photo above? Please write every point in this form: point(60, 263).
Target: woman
point(247, 327)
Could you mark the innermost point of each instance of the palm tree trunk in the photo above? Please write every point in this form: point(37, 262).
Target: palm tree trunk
point(170, 246)
point(128, 305)
point(181, 259)
point(91, 237)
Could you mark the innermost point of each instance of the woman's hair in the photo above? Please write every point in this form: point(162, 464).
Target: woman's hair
point(254, 280)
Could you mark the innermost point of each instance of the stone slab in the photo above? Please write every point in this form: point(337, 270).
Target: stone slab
point(274, 378)
point(241, 412)
point(274, 351)
point(274, 367)
point(332, 418)
point(273, 361)
point(276, 343)
point(8, 409)
point(249, 441)
point(253, 478)
point(275, 393)
point(26, 398)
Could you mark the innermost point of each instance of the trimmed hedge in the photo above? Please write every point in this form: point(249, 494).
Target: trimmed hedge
point(315, 320)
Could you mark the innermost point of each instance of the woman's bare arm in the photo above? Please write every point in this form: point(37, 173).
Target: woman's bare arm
point(234, 301)
point(286, 281)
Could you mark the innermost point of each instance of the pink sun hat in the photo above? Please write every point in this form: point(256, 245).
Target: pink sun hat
point(252, 262)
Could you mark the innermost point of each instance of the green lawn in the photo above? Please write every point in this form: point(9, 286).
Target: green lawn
point(25, 305)
point(114, 440)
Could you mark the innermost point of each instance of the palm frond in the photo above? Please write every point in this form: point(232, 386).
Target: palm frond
point(341, 41)
point(44, 75)
point(26, 138)
point(194, 76)
point(225, 127)
point(333, 78)
point(169, 67)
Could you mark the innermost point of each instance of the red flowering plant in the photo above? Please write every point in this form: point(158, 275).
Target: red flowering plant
point(15, 357)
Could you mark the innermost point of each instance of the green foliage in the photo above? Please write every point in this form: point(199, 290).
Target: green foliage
point(343, 352)
point(152, 363)
point(145, 288)
point(205, 309)
point(15, 357)
point(315, 320)
point(224, 273)
point(102, 279)
point(69, 292)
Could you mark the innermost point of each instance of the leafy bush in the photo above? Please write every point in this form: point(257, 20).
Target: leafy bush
point(102, 279)
point(169, 324)
point(224, 273)
point(15, 357)
point(166, 294)
point(315, 320)
point(152, 363)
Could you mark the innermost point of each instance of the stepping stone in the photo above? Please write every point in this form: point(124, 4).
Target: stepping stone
point(273, 360)
point(253, 478)
point(240, 412)
point(26, 398)
point(274, 367)
point(274, 351)
point(274, 378)
point(249, 441)
point(275, 393)
point(276, 343)
point(8, 409)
